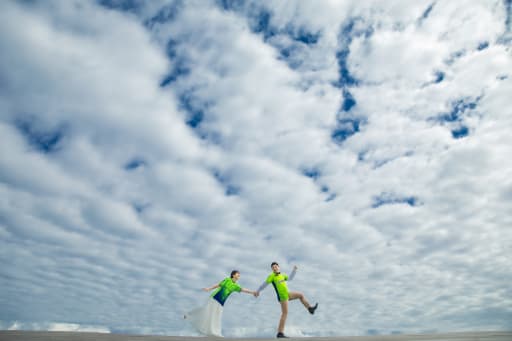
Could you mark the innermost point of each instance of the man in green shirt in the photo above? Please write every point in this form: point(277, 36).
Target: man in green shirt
point(278, 281)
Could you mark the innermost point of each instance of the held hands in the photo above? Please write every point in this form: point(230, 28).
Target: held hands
point(255, 293)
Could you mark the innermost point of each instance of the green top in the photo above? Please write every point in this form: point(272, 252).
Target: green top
point(279, 283)
point(226, 288)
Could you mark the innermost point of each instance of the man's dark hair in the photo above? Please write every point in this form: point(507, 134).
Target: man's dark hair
point(271, 265)
point(234, 272)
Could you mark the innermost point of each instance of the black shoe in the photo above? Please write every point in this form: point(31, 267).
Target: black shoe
point(312, 309)
point(280, 335)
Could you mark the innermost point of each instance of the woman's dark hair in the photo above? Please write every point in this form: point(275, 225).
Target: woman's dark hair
point(271, 265)
point(234, 272)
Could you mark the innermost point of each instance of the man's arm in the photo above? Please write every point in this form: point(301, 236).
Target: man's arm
point(262, 286)
point(292, 275)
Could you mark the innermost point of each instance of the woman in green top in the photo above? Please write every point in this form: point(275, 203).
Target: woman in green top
point(278, 280)
point(208, 319)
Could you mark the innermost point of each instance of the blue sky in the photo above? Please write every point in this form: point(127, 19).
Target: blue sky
point(149, 148)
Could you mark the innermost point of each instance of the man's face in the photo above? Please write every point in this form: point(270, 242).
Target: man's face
point(275, 267)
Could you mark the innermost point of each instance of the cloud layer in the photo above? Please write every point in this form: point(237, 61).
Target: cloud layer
point(147, 149)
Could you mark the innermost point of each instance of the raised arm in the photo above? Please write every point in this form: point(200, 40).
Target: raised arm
point(294, 271)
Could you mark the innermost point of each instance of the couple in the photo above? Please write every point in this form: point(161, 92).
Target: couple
point(207, 319)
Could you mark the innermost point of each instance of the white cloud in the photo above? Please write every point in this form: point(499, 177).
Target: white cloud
point(115, 211)
point(389, 56)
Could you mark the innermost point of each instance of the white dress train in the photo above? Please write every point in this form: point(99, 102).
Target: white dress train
point(208, 318)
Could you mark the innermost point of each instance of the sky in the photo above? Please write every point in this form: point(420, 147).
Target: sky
point(148, 148)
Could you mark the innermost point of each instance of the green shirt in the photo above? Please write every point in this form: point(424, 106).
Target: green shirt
point(226, 288)
point(279, 283)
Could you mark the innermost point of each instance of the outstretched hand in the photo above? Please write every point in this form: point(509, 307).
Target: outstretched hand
point(295, 267)
point(206, 289)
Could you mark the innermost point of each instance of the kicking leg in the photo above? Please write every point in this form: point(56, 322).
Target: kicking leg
point(294, 295)
point(298, 295)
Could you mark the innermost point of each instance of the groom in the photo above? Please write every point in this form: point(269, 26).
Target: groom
point(278, 280)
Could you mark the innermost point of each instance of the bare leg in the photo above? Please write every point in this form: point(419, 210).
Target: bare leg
point(284, 314)
point(294, 295)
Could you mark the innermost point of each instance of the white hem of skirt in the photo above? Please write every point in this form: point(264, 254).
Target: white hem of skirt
point(208, 318)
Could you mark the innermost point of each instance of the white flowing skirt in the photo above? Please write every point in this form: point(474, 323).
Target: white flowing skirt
point(207, 319)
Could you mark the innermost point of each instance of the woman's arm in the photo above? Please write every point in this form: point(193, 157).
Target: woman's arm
point(211, 288)
point(254, 293)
